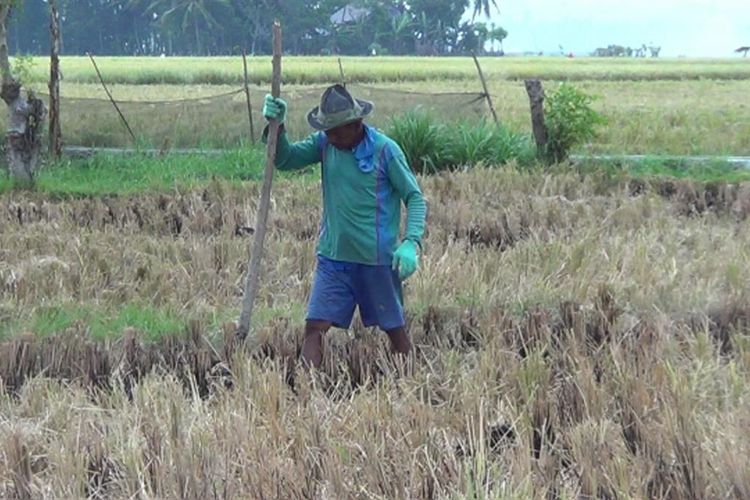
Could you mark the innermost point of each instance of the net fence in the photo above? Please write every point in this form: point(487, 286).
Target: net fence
point(222, 121)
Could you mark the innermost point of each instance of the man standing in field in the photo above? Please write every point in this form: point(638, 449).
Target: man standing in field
point(361, 259)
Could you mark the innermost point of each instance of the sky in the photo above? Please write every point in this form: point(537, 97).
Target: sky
point(691, 28)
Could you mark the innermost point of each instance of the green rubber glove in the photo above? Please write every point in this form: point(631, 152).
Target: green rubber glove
point(274, 108)
point(405, 259)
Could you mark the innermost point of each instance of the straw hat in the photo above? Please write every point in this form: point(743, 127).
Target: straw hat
point(337, 107)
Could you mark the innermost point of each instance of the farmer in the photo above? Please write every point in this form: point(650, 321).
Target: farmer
point(361, 260)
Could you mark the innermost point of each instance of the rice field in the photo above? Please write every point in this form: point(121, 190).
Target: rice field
point(579, 332)
point(322, 70)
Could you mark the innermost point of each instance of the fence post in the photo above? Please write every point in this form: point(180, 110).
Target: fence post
point(536, 98)
point(247, 96)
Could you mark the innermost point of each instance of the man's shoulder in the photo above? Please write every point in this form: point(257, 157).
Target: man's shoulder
point(317, 138)
point(387, 144)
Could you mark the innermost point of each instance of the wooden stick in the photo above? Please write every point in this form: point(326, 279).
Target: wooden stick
point(55, 133)
point(112, 98)
point(486, 92)
point(251, 285)
point(247, 95)
point(536, 98)
point(341, 73)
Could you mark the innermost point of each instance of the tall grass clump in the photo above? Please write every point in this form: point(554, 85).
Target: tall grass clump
point(482, 142)
point(431, 145)
point(422, 139)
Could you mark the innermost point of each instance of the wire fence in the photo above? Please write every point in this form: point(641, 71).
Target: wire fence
point(222, 121)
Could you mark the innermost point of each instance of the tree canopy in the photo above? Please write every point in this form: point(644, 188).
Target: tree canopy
point(213, 27)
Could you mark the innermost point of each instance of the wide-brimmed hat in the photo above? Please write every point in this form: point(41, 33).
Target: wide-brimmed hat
point(337, 107)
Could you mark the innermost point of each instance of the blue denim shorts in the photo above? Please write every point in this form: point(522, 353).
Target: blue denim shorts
point(340, 287)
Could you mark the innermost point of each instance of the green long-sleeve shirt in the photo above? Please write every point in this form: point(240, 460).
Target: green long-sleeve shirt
point(362, 194)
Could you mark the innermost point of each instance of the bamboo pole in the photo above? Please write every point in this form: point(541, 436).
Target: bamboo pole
point(486, 92)
point(341, 73)
point(112, 99)
point(251, 285)
point(247, 95)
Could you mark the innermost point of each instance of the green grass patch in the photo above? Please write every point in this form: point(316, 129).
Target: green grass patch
point(714, 170)
point(152, 323)
point(100, 323)
point(108, 174)
point(429, 146)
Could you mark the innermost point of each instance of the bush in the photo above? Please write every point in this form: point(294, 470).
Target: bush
point(570, 121)
point(432, 146)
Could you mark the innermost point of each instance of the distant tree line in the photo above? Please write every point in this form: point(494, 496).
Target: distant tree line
point(213, 27)
point(620, 51)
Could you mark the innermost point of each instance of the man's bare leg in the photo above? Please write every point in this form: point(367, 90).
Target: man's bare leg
point(400, 342)
point(312, 348)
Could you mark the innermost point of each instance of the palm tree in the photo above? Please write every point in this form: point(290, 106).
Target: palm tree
point(483, 6)
point(256, 13)
point(400, 29)
point(498, 34)
point(481, 31)
point(182, 15)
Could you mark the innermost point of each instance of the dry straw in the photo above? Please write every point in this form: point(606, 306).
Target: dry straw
point(576, 337)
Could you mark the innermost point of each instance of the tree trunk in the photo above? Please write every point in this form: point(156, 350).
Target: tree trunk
point(5, 9)
point(198, 38)
point(138, 48)
point(25, 115)
point(55, 133)
point(24, 136)
point(256, 36)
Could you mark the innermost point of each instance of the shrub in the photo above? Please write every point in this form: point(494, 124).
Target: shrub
point(570, 121)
